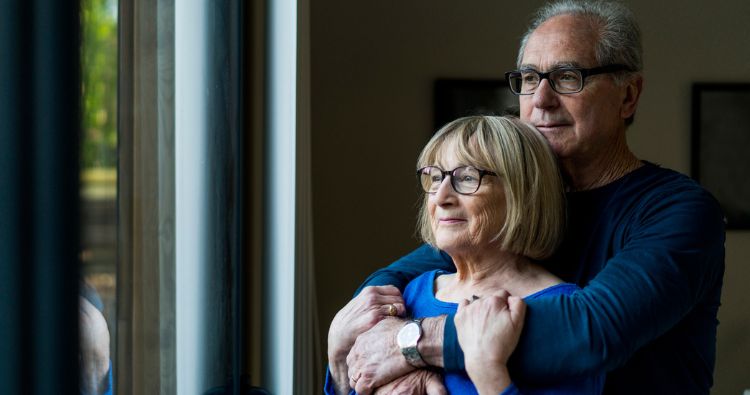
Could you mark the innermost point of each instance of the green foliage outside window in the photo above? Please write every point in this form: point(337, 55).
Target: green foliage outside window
point(99, 88)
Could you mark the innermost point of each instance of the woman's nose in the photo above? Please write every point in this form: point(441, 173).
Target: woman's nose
point(445, 192)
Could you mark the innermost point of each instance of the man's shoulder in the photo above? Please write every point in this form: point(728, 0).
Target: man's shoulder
point(662, 195)
point(653, 181)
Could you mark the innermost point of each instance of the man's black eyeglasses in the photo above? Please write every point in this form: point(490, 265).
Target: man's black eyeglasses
point(564, 80)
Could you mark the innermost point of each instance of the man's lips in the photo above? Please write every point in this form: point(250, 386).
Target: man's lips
point(550, 126)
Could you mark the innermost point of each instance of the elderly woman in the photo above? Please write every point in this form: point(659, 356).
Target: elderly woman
point(494, 202)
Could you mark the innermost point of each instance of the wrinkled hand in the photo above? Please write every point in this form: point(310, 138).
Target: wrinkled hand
point(360, 314)
point(488, 330)
point(94, 348)
point(375, 358)
point(418, 382)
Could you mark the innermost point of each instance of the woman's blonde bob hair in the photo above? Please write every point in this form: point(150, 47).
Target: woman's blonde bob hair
point(521, 157)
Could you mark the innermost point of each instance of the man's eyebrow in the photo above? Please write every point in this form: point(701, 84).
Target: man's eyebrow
point(558, 65)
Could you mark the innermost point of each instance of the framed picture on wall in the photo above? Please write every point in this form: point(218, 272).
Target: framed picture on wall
point(721, 146)
point(455, 98)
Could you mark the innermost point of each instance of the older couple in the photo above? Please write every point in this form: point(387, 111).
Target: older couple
point(645, 244)
point(497, 210)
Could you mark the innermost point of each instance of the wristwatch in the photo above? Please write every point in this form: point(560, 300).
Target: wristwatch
point(407, 340)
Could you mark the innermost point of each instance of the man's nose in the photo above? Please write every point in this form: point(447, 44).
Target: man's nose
point(544, 96)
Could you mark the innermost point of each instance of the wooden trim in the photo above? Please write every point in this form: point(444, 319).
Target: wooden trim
point(146, 305)
point(254, 143)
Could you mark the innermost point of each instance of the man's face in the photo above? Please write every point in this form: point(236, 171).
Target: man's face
point(580, 126)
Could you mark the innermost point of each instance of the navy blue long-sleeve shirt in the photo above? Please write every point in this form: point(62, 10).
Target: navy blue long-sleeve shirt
point(648, 251)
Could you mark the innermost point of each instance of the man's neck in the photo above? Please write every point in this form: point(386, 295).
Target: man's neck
point(590, 174)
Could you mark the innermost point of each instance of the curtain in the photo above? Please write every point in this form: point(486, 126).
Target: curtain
point(39, 239)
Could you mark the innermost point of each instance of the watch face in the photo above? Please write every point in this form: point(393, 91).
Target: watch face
point(408, 335)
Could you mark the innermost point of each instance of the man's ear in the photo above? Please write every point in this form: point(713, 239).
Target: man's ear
point(631, 95)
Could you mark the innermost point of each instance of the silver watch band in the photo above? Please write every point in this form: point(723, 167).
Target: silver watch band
point(411, 353)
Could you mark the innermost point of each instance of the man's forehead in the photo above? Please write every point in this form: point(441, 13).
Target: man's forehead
point(562, 41)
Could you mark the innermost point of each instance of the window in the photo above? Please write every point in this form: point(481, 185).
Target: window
point(98, 193)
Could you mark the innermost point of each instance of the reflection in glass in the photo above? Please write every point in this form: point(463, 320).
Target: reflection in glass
point(98, 194)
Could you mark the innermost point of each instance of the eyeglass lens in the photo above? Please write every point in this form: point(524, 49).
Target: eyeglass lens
point(463, 179)
point(562, 80)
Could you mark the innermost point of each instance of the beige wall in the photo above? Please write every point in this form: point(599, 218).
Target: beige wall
point(373, 65)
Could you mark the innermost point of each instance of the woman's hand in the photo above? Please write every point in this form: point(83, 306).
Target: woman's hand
point(360, 314)
point(488, 330)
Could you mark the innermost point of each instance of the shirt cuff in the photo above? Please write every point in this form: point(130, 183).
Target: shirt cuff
point(109, 390)
point(511, 390)
point(328, 388)
point(453, 356)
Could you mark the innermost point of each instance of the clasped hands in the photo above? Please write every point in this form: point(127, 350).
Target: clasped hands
point(363, 354)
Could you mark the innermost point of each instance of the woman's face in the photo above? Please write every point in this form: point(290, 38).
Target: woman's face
point(464, 223)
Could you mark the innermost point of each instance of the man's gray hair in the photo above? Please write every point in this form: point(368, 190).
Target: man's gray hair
point(619, 37)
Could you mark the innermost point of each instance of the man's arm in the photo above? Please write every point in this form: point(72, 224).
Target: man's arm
point(668, 264)
point(385, 363)
point(408, 267)
point(671, 261)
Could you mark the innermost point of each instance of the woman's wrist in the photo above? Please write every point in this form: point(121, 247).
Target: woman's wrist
point(487, 379)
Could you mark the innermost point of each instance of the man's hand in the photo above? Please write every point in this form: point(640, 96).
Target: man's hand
point(375, 358)
point(360, 314)
point(488, 330)
point(418, 382)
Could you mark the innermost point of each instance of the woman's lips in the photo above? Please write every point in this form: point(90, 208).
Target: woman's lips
point(449, 221)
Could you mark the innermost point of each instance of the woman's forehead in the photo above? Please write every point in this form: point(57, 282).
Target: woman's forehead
point(455, 152)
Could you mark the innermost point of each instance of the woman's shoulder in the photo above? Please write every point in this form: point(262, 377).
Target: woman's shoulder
point(557, 289)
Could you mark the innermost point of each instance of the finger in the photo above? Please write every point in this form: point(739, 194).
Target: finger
point(517, 309)
point(353, 378)
point(502, 294)
point(361, 389)
point(400, 309)
point(393, 310)
point(383, 290)
point(388, 310)
point(386, 299)
point(434, 386)
point(385, 389)
point(370, 299)
point(461, 311)
point(499, 301)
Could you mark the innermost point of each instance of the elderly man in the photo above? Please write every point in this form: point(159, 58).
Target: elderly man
point(646, 244)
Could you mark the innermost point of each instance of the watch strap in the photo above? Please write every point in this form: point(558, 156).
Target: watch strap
point(411, 353)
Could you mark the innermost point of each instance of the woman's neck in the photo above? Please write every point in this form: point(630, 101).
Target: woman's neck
point(488, 273)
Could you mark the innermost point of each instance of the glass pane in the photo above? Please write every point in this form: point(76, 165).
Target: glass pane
point(98, 193)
